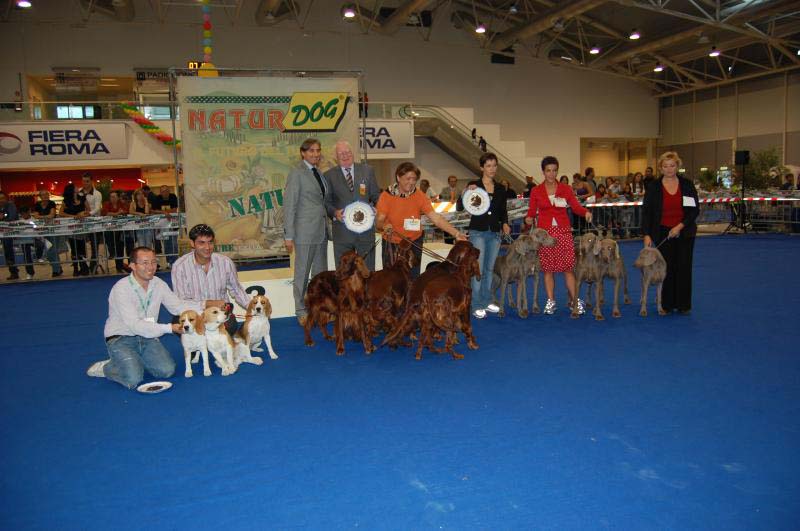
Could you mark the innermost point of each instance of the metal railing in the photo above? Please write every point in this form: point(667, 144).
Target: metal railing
point(28, 111)
point(89, 245)
point(455, 125)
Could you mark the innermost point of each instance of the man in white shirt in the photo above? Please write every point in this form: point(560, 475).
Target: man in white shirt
point(94, 207)
point(205, 277)
point(131, 330)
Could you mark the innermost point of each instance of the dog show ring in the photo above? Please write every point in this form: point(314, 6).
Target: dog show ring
point(151, 388)
point(476, 201)
point(358, 217)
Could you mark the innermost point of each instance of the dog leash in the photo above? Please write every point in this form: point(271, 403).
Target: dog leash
point(430, 253)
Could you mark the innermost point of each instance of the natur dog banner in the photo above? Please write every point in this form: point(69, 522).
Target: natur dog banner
point(241, 137)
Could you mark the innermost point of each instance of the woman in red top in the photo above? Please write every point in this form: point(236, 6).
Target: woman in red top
point(550, 200)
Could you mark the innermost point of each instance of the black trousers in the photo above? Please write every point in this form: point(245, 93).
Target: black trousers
point(676, 293)
point(390, 249)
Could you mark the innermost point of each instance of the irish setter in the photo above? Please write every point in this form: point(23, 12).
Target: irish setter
point(351, 317)
point(440, 298)
point(321, 304)
point(387, 289)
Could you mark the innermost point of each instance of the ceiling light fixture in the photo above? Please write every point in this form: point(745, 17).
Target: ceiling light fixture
point(480, 29)
point(635, 35)
point(594, 50)
point(714, 52)
point(513, 9)
point(24, 4)
point(658, 68)
point(348, 11)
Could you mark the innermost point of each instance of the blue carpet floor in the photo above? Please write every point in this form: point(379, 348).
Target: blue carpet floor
point(634, 423)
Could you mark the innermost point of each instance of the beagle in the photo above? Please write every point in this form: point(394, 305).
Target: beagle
point(256, 328)
point(219, 343)
point(193, 340)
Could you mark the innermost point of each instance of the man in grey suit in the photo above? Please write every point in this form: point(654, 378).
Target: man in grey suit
point(305, 221)
point(348, 182)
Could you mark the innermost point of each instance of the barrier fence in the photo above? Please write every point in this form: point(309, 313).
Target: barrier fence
point(89, 245)
point(103, 244)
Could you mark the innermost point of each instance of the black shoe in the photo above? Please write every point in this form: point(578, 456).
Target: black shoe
point(56, 275)
point(13, 276)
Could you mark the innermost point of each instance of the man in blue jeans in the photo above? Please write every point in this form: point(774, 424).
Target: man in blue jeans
point(131, 329)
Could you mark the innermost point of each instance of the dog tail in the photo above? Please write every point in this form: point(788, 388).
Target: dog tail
point(400, 330)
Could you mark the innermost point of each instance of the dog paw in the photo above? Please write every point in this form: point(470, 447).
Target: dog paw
point(523, 314)
point(643, 313)
point(599, 317)
point(662, 312)
point(536, 309)
point(616, 313)
point(627, 300)
point(502, 313)
point(207, 373)
point(187, 374)
point(256, 349)
point(273, 356)
point(457, 356)
point(575, 315)
point(257, 360)
point(472, 345)
point(340, 352)
point(226, 372)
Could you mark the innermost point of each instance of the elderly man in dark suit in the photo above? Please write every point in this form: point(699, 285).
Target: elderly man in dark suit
point(305, 222)
point(347, 182)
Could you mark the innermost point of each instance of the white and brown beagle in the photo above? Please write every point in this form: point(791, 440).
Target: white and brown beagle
point(218, 341)
point(193, 340)
point(256, 329)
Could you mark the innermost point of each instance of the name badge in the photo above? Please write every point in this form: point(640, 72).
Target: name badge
point(362, 189)
point(411, 224)
point(150, 319)
point(560, 202)
point(688, 201)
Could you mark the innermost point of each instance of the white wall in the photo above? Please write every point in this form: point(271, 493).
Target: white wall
point(547, 107)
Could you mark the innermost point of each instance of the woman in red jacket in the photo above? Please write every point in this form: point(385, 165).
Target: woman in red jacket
point(550, 200)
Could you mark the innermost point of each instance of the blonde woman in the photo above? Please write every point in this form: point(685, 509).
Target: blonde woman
point(140, 206)
point(670, 212)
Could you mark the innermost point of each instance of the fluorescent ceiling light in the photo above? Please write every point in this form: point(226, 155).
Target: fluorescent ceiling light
point(594, 50)
point(635, 35)
point(480, 29)
point(24, 3)
point(714, 52)
point(658, 68)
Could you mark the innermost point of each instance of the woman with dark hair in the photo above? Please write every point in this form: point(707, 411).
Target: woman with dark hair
point(400, 211)
point(484, 234)
point(550, 200)
point(637, 185)
point(74, 206)
point(670, 212)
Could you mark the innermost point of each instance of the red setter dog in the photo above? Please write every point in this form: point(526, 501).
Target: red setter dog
point(440, 299)
point(351, 317)
point(321, 304)
point(387, 289)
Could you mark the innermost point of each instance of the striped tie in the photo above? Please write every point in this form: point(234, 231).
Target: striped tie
point(349, 178)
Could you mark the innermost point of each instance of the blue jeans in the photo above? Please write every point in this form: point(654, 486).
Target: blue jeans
point(131, 355)
point(488, 243)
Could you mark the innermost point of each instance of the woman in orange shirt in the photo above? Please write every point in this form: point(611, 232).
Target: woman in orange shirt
point(550, 200)
point(400, 211)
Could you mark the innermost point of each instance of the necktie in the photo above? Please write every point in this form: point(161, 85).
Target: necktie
point(349, 178)
point(319, 180)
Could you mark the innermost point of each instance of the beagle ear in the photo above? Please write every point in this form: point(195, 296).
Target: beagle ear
point(200, 324)
point(250, 305)
point(267, 307)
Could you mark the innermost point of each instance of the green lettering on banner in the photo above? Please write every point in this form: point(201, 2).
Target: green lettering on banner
point(255, 205)
point(279, 196)
point(237, 207)
point(265, 196)
point(223, 247)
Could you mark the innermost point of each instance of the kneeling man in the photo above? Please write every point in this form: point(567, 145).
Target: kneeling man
point(131, 329)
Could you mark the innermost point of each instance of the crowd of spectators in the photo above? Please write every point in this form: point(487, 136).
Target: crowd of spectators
point(83, 201)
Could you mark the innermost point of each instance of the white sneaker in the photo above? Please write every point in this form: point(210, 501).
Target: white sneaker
point(479, 314)
point(493, 308)
point(96, 369)
point(28, 276)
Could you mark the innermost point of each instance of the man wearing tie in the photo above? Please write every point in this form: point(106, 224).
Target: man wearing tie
point(305, 221)
point(348, 182)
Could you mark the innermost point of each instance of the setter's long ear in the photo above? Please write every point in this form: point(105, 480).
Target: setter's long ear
point(199, 324)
